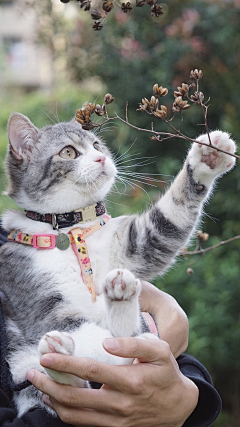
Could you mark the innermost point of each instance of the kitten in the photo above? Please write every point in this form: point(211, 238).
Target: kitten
point(60, 169)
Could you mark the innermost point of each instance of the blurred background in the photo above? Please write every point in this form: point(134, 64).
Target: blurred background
point(51, 62)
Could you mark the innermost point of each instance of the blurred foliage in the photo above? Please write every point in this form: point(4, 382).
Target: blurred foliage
point(130, 54)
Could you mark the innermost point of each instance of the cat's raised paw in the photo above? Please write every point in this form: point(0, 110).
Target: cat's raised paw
point(121, 285)
point(56, 342)
point(214, 161)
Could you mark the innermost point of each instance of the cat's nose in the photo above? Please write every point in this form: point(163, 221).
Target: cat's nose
point(101, 159)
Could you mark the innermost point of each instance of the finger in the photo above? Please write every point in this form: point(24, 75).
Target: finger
point(108, 400)
point(84, 417)
point(145, 350)
point(88, 369)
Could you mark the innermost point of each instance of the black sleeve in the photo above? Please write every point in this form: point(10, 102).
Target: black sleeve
point(34, 418)
point(209, 402)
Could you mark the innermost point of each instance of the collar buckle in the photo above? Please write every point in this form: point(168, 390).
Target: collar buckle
point(88, 213)
point(54, 222)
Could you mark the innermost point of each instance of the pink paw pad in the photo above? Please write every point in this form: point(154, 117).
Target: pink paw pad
point(216, 140)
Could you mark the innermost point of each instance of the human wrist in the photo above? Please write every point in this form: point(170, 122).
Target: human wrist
point(189, 393)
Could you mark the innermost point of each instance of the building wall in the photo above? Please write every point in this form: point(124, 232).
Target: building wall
point(22, 61)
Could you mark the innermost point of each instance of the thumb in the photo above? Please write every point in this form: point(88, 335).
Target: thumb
point(145, 350)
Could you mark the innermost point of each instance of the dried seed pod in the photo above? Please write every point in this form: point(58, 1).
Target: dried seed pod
point(107, 6)
point(96, 14)
point(89, 125)
point(203, 237)
point(182, 91)
point(104, 108)
point(144, 106)
point(197, 98)
point(82, 116)
point(190, 271)
point(153, 104)
point(108, 98)
point(179, 105)
point(156, 10)
point(159, 91)
point(89, 107)
point(196, 74)
point(151, 2)
point(148, 106)
point(97, 26)
point(99, 110)
point(126, 7)
point(140, 3)
point(162, 113)
point(86, 4)
point(155, 138)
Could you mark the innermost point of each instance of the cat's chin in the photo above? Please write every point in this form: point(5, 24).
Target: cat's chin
point(65, 200)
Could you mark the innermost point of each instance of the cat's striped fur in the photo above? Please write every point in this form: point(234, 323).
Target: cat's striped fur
point(43, 289)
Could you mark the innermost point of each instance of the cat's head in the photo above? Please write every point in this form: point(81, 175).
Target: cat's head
point(56, 169)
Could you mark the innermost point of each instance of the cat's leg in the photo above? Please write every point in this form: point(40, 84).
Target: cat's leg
point(147, 244)
point(121, 290)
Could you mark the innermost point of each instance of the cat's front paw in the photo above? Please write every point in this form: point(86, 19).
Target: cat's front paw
point(206, 160)
point(56, 342)
point(121, 285)
point(60, 342)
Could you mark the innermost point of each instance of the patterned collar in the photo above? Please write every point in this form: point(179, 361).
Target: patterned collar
point(68, 219)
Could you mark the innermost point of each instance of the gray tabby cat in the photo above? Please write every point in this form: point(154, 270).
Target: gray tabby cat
point(60, 169)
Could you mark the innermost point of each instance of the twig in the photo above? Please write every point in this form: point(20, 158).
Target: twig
point(203, 251)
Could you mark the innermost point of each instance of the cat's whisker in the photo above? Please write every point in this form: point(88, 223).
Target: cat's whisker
point(119, 161)
point(139, 179)
point(115, 203)
point(125, 152)
point(144, 163)
point(132, 185)
point(145, 178)
point(44, 112)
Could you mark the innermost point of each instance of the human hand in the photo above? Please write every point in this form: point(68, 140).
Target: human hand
point(150, 393)
point(171, 320)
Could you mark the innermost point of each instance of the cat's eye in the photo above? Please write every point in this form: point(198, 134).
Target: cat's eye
point(68, 153)
point(96, 145)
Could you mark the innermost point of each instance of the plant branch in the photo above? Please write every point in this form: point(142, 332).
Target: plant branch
point(203, 251)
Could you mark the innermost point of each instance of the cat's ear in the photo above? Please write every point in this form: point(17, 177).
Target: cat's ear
point(22, 135)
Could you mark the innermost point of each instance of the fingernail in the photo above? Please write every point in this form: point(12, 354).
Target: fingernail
point(47, 360)
point(30, 375)
point(111, 344)
point(46, 400)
